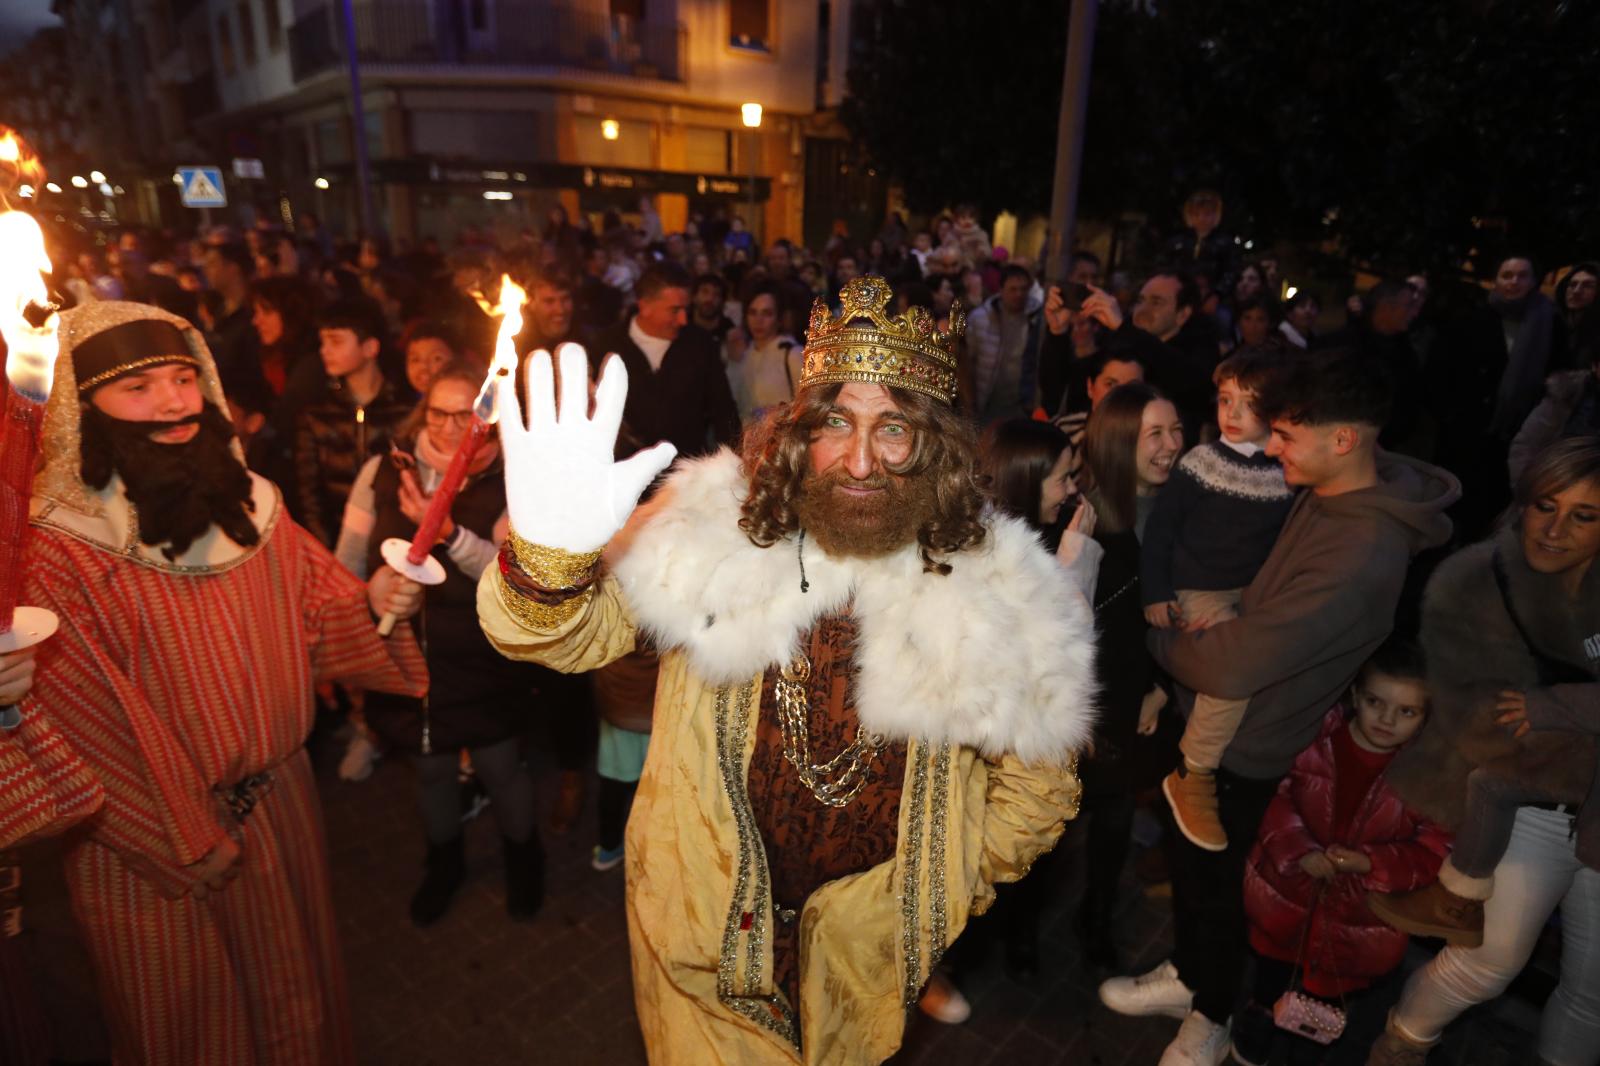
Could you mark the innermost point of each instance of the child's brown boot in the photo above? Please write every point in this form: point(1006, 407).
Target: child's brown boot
point(1192, 794)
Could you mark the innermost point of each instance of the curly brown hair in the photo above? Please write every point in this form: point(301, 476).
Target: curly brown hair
point(776, 460)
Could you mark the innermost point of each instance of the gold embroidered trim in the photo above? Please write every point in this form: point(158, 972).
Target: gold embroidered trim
point(937, 833)
point(910, 884)
point(552, 568)
point(771, 1012)
point(137, 365)
point(539, 616)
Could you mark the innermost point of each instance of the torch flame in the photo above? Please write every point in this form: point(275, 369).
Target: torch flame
point(504, 365)
point(30, 350)
point(18, 164)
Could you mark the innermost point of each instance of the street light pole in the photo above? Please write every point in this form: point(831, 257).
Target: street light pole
point(358, 118)
point(1069, 135)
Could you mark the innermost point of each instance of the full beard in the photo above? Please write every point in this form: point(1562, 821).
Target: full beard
point(864, 527)
point(179, 490)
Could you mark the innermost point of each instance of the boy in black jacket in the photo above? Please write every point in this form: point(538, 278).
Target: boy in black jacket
point(1210, 530)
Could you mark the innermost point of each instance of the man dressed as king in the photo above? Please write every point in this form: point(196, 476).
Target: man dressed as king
point(871, 690)
point(168, 716)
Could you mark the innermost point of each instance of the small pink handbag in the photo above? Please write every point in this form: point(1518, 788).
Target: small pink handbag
point(1303, 1014)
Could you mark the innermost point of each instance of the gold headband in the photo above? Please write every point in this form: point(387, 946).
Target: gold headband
point(134, 367)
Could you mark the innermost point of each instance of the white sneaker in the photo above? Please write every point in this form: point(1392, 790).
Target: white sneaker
point(1200, 1042)
point(943, 1002)
point(359, 759)
point(1156, 992)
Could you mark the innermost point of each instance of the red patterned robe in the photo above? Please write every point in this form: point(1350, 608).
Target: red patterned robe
point(158, 688)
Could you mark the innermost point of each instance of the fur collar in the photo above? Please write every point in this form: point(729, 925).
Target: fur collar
point(998, 655)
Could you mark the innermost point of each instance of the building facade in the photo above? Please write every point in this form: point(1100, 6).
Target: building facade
point(484, 113)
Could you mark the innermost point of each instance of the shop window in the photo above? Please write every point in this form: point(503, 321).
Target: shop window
point(750, 24)
point(230, 62)
point(247, 35)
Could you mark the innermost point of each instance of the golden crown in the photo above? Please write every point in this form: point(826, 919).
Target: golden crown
point(904, 351)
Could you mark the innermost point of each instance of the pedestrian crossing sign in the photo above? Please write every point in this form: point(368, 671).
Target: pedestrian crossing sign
point(202, 187)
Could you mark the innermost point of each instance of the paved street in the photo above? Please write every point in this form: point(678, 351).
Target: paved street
point(479, 989)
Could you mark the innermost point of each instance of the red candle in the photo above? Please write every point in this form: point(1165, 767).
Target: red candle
point(19, 451)
point(444, 497)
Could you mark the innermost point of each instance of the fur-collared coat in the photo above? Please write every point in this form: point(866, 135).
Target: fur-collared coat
point(1474, 652)
point(986, 674)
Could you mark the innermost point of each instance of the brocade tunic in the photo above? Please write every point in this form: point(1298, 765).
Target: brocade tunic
point(809, 843)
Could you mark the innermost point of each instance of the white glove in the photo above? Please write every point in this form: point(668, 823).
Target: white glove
point(563, 489)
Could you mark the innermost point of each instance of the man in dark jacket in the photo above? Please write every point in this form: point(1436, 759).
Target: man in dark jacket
point(1382, 334)
point(680, 391)
point(1202, 246)
point(1486, 377)
point(351, 421)
point(1155, 337)
point(1320, 605)
point(599, 306)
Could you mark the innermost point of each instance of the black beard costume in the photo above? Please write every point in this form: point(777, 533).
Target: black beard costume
point(179, 490)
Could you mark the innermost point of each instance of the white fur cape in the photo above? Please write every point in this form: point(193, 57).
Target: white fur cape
point(998, 655)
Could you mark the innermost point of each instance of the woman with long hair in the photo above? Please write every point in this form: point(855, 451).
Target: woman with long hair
point(1511, 628)
point(1023, 470)
point(1132, 443)
point(477, 699)
point(767, 367)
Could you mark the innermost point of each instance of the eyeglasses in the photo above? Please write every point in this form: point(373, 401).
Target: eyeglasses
point(437, 417)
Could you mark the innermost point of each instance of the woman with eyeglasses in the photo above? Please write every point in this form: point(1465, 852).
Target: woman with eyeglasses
point(477, 699)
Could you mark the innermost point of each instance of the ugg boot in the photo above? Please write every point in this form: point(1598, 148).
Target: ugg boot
point(1192, 794)
point(1450, 908)
point(446, 868)
point(524, 877)
point(1396, 1047)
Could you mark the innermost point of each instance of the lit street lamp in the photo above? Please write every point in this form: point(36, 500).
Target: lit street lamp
point(751, 113)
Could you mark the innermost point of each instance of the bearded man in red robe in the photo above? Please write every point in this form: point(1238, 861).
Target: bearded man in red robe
point(167, 719)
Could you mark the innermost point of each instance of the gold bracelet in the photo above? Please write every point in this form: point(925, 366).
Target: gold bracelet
point(552, 568)
point(540, 616)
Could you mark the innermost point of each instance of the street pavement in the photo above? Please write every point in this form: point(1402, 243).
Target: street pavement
point(477, 988)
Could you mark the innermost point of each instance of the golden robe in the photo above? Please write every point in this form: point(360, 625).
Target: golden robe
point(986, 675)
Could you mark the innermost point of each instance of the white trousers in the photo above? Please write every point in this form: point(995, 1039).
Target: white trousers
point(1538, 874)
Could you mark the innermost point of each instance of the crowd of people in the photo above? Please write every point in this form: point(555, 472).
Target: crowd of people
point(1336, 566)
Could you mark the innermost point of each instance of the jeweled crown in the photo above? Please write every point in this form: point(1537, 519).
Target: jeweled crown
point(865, 343)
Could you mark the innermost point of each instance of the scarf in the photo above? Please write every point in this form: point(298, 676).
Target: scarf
point(438, 460)
point(1522, 382)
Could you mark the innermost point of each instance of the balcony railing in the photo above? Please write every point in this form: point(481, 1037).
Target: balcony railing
point(499, 33)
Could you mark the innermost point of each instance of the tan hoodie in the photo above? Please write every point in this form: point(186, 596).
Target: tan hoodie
point(1321, 604)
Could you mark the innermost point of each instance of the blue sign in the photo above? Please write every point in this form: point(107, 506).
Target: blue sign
point(202, 187)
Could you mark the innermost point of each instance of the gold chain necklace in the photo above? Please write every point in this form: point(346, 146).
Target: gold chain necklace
point(848, 769)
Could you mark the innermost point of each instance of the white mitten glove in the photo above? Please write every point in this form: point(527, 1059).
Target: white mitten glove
point(563, 488)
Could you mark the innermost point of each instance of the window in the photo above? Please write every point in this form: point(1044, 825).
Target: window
point(750, 24)
point(230, 63)
point(273, 20)
point(247, 35)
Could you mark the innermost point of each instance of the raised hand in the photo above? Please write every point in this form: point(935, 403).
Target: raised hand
point(563, 487)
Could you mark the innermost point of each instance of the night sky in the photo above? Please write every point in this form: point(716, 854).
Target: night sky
point(18, 20)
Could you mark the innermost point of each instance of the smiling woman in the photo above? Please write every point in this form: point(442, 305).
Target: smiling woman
point(1510, 628)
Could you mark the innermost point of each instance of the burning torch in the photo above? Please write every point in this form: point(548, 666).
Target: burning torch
point(28, 322)
point(414, 559)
